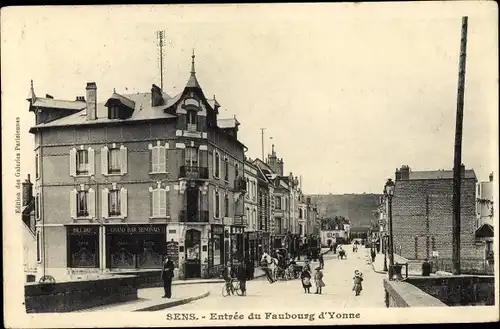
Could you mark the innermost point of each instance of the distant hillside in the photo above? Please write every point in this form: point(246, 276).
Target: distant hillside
point(357, 208)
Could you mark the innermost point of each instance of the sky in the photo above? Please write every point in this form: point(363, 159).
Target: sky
point(347, 92)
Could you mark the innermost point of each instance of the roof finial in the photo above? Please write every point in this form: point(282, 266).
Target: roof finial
point(192, 63)
point(114, 90)
point(32, 96)
point(273, 150)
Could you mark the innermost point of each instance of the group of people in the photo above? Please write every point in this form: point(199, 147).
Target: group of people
point(306, 277)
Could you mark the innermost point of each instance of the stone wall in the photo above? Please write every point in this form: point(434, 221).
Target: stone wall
point(458, 290)
point(79, 295)
point(403, 294)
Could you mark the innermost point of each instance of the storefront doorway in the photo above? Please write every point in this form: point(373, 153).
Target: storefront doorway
point(193, 254)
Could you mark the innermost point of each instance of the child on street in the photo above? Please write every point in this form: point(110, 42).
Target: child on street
point(358, 278)
point(318, 279)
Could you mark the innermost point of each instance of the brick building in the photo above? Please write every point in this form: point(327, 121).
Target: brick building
point(122, 181)
point(422, 213)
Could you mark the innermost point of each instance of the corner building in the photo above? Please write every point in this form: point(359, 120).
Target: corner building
point(124, 181)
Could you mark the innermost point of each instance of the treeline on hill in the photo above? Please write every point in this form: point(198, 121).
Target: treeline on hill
point(359, 209)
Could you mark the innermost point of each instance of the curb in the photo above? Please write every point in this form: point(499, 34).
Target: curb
point(184, 282)
point(172, 303)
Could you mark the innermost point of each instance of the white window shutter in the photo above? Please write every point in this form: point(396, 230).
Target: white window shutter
point(161, 158)
point(124, 158)
point(104, 203)
point(72, 203)
point(91, 202)
point(163, 202)
point(91, 161)
point(123, 202)
point(104, 160)
point(214, 172)
point(72, 162)
point(221, 214)
point(154, 202)
point(166, 158)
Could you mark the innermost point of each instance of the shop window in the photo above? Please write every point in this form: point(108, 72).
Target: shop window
point(83, 246)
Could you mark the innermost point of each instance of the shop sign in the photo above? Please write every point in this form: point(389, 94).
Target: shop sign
point(217, 230)
point(173, 252)
point(83, 230)
point(136, 229)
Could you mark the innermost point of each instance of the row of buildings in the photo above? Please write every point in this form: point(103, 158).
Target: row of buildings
point(422, 214)
point(123, 179)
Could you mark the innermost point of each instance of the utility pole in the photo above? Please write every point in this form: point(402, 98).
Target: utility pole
point(262, 135)
point(160, 35)
point(457, 164)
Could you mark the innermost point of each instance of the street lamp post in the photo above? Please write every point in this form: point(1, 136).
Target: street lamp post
point(385, 254)
point(389, 193)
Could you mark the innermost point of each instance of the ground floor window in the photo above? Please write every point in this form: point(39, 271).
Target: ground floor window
point(135, 246)
point(83, 246)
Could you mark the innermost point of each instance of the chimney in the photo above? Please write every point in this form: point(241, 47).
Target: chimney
point(405, 172)
point(398, 174)
point(308, 199)
point(156, 96)
point(91, 101)
point(27, 187)
point(491, 177)
point(462, 170)
point(280, 167)
point(80, 99)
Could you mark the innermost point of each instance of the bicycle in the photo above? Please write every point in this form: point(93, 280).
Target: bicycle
point(235, 287)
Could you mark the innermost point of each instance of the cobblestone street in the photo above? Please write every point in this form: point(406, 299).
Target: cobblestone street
point(287, 295)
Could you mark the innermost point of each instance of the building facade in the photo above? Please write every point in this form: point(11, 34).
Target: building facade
point(122, 182)
point(484, 202)
point(253, 235)
point(422, 216)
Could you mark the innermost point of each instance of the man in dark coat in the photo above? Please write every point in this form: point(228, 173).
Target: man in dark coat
point(373, 254)
point(241, 275)
point(249, 269)
point(167, 274)
point(426, 268)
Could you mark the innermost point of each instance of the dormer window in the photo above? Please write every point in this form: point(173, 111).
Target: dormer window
point(114, 112)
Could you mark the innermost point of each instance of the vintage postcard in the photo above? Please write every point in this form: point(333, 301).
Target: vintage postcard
point(260, 164)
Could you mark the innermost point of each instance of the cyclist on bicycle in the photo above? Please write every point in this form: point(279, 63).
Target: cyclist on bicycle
point(227, 274)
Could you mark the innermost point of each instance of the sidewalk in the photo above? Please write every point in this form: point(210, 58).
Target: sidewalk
point(414, 269)
point(183, 292)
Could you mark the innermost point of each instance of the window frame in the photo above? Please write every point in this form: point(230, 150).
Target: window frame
point(217, 157)
point(39, 246)
point(226, 205)
point(117, 152)
point(156, 209)
point(114, 112)
point(217, 205)
point(156, 154)
point(86, 212)
point(226, 169)
point(118, 211)
point(78, 157)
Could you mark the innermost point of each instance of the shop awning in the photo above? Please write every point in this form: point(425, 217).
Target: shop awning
point(484, 231)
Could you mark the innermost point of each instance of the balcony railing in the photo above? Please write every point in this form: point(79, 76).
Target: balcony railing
point(193, 217)
point(193, 172)
point(240, 184)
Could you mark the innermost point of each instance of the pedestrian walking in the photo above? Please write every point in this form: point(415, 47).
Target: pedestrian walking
point(167, 275)
point(241, 275)
point(358, 278)
point(305, 277)
point(373, 254)
point(318, 280)
point(426, 268)
point(321, 261)
point(250, 269)
point(307, 267)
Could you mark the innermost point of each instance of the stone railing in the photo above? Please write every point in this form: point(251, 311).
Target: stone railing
point(403, 294)
point(78, 295)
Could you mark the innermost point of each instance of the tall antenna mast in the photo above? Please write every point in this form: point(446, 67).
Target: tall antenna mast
point(262, 134)
point(160, 35)
point(457, 159)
